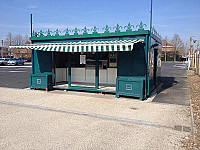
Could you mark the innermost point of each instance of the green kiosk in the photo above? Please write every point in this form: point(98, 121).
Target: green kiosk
point(124, 62)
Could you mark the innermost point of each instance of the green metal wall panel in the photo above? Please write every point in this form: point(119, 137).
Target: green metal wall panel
point(155, 64)
point(130, 86)
point(42, 62)
point(132, 63)
point(41, 81)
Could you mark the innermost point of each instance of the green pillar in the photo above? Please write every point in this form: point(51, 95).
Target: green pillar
point(97, 71)
point(69, 69)
point(146, 61)
point(54, 67)
point(149, 68)
point(33, 69)
point(148, 92)
point(32, 59)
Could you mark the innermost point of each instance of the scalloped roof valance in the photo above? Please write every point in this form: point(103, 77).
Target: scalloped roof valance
point(92, 46)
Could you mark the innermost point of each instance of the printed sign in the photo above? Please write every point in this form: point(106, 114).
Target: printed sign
point(39, 81)
point(82, 59)
point(128, 87)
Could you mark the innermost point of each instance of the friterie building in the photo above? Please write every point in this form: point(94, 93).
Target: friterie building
point(118, 60)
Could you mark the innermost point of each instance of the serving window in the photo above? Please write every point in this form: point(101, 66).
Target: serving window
point(88, 60)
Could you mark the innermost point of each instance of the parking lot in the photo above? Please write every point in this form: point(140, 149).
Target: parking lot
point(173, 81)
point(174, 87)
point(36, 119)
point(15, 76)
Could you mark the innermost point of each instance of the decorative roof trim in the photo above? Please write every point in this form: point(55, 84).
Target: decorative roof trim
point(92, 46)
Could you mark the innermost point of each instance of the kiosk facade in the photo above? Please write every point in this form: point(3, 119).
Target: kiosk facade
point(124, 63)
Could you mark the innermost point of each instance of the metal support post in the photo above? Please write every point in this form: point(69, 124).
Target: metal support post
point(54, 67)
point(31, 25)
point(166, 53)
point(146, 59)
point(148, 92)
point(69, 69)
point(97, 71)
point(2, 50)
point(33, 61)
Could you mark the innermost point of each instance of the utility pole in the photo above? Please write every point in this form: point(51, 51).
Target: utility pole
point(31, 25)
point(2, 49)
point(193, 60)
point(166, 52)
point(189, 58)
point(190, 50)
point(10, 44)
point(148, 73)
point(186, 49)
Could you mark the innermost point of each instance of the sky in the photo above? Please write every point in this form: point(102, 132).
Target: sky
point(169, 16)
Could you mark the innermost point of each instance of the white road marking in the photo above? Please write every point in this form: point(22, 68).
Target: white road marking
point(16, 71)
point(15, 66)
point(180, 66)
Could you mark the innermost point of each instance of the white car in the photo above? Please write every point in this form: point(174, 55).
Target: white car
point(16, 61)
point(4, 61)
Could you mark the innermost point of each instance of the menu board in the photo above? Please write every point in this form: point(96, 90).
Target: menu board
point(82, 59)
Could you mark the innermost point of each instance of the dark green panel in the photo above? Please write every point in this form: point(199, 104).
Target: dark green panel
point(130, 86)
point(132, 63)
point(41, 81)
point(42, 62)
point(61, 59)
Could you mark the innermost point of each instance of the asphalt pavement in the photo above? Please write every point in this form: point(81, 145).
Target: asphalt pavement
point(174, 88)
point(15, 76)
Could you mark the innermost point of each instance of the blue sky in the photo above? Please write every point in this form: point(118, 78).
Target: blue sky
point(169, 16)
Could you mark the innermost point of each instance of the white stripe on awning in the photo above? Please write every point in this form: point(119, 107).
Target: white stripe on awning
point(92, 46)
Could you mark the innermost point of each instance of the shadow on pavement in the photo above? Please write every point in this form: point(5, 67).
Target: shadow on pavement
point(167, 82)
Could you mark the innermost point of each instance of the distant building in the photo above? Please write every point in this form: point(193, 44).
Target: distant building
point(23, 53)
point(167, 50)
point(5, 52)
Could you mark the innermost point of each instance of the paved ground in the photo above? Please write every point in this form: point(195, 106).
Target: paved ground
point(15, 76)
point(35, 119)
point(49, 120)
point(174, 88)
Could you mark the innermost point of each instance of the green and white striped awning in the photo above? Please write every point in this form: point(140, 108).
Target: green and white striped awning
point(92, 46)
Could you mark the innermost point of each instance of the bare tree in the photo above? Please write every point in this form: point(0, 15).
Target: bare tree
point(26, 39)
point(18, 40)
point(9, 41)
point(178, 45)
point(166, 38)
